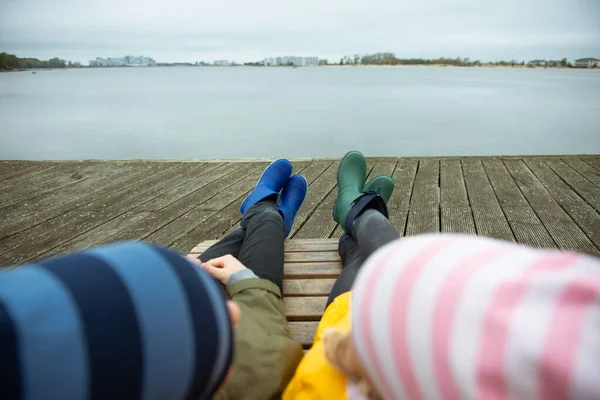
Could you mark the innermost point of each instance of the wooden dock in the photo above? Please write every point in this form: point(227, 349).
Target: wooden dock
point(52, 207)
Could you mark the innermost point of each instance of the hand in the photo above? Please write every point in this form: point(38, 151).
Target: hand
point(223, 267)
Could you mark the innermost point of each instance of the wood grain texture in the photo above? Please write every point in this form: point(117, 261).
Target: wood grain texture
point(52, 207)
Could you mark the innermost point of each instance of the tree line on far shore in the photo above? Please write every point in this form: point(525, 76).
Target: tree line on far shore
point(391, 59)
point(10, 62)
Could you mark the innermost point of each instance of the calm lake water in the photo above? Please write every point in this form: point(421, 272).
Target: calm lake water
point(304, 112)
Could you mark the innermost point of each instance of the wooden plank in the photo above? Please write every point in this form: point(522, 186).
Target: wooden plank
point(178, 228)
point(523, 221)
point(581, 185)
point(404, 177)
point(452, 185)
point(562, 193)
point(590, 173)
point(594, 162)
point(304, 308)
point(303, 332)
point(212, 172)
point(213, 227)
point(232, 193)
point(506, 190)
point(322, 256)
point(423, 216)
point(99, 235)
point(457, 220)
point(305, 245)
point(103, 210)
point(317, 191)
point(142, 193)
point(588, 220)
point(67, 201)
point(41, 232)
point(29, 173)
point(177, 213)
point(11, 171)
point(307, 287)
point(40, 183)
point(527, 227)
point(31, 244)
point(319, 225)
point(455, 210)
point(583, 215)
point(560, 226)
point(312, 269)
point(489, 218)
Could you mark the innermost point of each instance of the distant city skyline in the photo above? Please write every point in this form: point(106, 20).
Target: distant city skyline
point(190, 31)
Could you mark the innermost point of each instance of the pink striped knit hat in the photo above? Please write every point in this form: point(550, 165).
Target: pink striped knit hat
point(449, 316)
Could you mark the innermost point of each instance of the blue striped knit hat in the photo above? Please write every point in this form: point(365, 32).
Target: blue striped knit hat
point(124, 321)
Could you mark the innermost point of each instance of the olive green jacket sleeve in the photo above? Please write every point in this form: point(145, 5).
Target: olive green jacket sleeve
point(265, 356)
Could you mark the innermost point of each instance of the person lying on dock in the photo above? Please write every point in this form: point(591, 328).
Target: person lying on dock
point(448, 316)
point(249, 262)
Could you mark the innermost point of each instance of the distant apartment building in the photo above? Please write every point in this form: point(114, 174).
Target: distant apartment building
point(537, 63)
point(554, 63)
point(127, 61)
point(291, 60)
point(587, 63)
point(223, 63)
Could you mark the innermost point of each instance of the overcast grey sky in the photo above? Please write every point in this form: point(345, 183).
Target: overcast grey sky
point(245, 30)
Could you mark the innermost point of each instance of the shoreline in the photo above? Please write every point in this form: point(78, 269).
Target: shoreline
point(321, 66)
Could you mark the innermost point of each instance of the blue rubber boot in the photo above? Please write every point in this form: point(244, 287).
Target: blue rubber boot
point(270, 182)
point(291, 199)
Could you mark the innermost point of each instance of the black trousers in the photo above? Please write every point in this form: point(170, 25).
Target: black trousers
point(370, 231)
point(258, 244)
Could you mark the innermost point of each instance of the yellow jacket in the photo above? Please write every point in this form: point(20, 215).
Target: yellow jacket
point(315, 378)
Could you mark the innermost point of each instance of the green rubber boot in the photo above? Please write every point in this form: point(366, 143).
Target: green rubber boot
point(383, 184)
point(351, 177)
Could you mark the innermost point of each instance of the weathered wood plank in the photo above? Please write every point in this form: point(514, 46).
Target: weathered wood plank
point(307, 287)
point(177, 218)
point(305, 245)
point(506, 190)
point(162, 202)
point(488, 215)
point(523, 221)
point(581, 185)
point(212, 172)
point(456, 215)
point(317, 191)
point(100, 234)
point(102, 211)
point(590, 173)
point(303, 332)
point(594, 162)
point(527, 227)
point(67, 201)
point(321, 256)
point(588, 220)
point(557, 188)
point(561, 227)
point(11, 170)
point(16, 177)
point(304, 308)
point(312, 269)
point(423, 216)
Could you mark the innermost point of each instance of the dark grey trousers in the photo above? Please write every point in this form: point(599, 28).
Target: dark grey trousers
point(258, 244)
point(370, 231)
